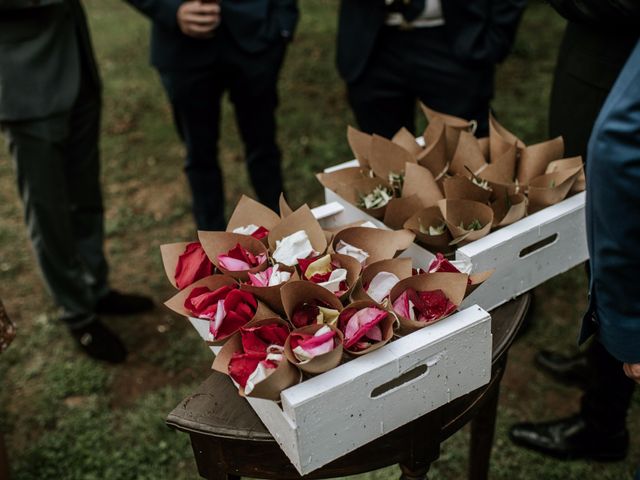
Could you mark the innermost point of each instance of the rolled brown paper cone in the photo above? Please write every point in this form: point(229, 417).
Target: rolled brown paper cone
point(467, 155)
point(452, 125)
point(285, 376)
point(219, 243)
point(568, 164)
point(534, 159)
point(379, 244)
point(484, 147)
point(270, 296)
point(297, 292)
point(353, 191)
point(429, 217)
point(321, 363)
point(507, 212)
point(400, 267)
point(453, 285)
point(386, 326)
point(387, 157)
point(405, 139)
point(477, 279)
point(360, 144)
point(301, 219)
point(460, 187)
point(551, 188)
point(248, 212)
point(170, 254)
point(285, 209)
point(419, 181)
point(344, 176)
point(400, 209)
point(434, 156)
point(456, 212)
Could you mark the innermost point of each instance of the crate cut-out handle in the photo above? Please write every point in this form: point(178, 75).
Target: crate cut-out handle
point(539, 245)
point(405, 378)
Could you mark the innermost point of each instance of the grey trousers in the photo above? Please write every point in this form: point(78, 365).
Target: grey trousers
point(58, 173)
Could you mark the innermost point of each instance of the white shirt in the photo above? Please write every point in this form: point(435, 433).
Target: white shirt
point(431, 16)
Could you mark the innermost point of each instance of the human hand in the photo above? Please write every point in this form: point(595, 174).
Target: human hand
point(198, 19)
point(632, 370)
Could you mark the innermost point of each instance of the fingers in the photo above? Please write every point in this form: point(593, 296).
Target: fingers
point(632, 370)
point(197, 19)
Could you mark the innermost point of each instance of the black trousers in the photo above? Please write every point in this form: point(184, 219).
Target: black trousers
point(196, 95)
point(410, 65)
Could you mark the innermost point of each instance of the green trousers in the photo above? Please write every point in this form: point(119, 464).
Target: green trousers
point(58, 173)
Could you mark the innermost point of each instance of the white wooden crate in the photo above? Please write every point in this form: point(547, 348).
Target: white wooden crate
point(334, 413)
point(560, 228)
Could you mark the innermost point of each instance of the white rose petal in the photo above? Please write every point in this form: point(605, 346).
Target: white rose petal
point(355, 252)
point(291, 248)
point(338, 276)
point(246, 230)
point(381, 284)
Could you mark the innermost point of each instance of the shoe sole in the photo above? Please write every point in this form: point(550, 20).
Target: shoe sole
point(599, 457)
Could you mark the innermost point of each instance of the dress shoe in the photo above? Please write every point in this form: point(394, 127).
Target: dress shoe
point(117, 303)
point(571, 438)
point(100, 343)
point(566, 369)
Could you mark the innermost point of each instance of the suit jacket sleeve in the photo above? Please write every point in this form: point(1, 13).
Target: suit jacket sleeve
point(607, 13)
point(482, 32)
point(163, 12)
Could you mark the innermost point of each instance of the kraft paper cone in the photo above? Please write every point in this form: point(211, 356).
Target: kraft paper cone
point(379, 244)
point(360, 187)
point(285, 209)
point(387, 157)
point(353, 268)
point(400, 267)
point(344, 176)
point(453, 285)
point(386, 326)
point(405, 139)
point(452, 127)
point(504, 148)
point(320, 363)
point(484, 147)
point(219, 243)
point(551, 188)
point(270, 296)
point(400, 209)
point(301, 219)
point(468, 154)
point(170, 254)
point(213, 282)
point(429, 217)
point(500, 186)
point(462, 188)
point(509, 209)
point(248, 212)
point(568, 164)
point(298, 292)
point(360, 144)
point(456, 212)
point(285, 376)
point(535, 158)
point(419, 181)
point(434, 157)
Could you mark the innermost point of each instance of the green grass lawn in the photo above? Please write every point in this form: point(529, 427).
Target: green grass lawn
point(66, 417)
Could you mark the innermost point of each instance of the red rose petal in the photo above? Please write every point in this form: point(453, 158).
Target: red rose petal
point(242, 365)
point(192, 265)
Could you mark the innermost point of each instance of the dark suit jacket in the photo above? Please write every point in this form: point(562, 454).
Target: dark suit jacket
point(39, 58)
point(480, 32)
point(254, 25)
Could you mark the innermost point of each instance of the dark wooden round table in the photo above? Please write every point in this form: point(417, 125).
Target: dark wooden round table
point(229, 441)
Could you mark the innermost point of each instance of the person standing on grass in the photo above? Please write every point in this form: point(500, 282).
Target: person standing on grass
point(391, 53)
point(202, 49)
point(50, 114)
point(597, 45)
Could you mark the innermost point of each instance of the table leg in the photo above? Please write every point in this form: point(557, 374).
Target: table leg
point(483, 428)
point(423, 449)
point(4, 460)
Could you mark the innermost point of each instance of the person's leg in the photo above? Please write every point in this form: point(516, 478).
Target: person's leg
point(381, 99)
point(446, 84)
point(253, 90)
point(195, 100)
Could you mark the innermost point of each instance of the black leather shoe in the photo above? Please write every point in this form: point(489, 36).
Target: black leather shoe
point(100, 343)
point(569, 439)
point(117, 303)
point(569, 370)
